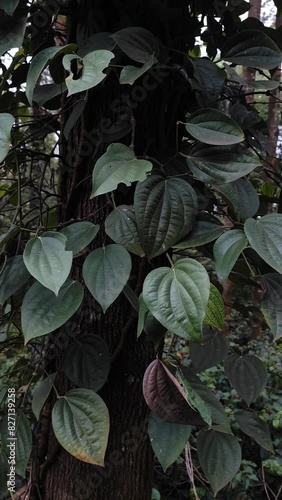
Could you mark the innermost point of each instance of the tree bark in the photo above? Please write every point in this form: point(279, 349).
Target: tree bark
point(249, 74)
point(150, 115)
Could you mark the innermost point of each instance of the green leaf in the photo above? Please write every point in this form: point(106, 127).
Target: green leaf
point(39, 63)
point(96, 41)
point(6, 123)
point(93, 64)
point(247, 374)
point(154, 330)
point(252, 48)
point(6, 237)
point(12, 30)
point(211, 126)
point(118, 164)
point(47, 261)
point(79, 235)
point(105, 272)
point(142, 313)
point(213, 351)
point(193, 398)
point(165, 211)
point(74, 116)
point(41, 393)
point(9, 6)
point(81, 424)
point(44, 93)
point(4, 470)
point(131, 296)
point(137, 43)
point(178, 297)
point(217, 165)
point(23, 441)
point(226, 251)
point(215, 310)
point(211, 78)
point(271, 303)
point(263, 84)
point(242, 197)
point(121, 227)
point(129, 74)
point(205, 229)
point(265, 237)
point(86, 362)
point(219, 456)
point(13, 277)
point(167, 439)
point(43, 312)
point(253, 426)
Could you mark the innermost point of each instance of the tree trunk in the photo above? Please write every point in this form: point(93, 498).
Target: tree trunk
point(249, 74)
point(149, 118)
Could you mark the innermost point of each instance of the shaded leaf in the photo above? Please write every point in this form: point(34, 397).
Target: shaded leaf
point(9, 6)
point(13, 277)
point(86, 362)
point(247, 374)
point(129, 74)
point(194, 399)
point(215, 310)
point(96, 41)
point(43, 312)
point(23, 441)
point(253, 426)
point(79, 235)
point(74, 116)
point(121, 227)
point(265, 237)
point(219, 456)
point(242, 197)
point(41, 393)
point(44, 93)
point(213, 127)
point(213, 351)
point(118, 165)
point(178, 297)
point(165, 211)
point(137, 43)
point(106, 271)
point(205, 230)
point(167, 439)
point(142, 313)
point(226, 251)
point(154, 330)
point(81, 424)
point(6, 123)
point(271, 303)
point(47, 261)
point(4, 470)
point(12, 30)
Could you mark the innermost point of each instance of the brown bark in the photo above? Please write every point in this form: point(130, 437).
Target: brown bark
point(129, 460)
point(249, 74)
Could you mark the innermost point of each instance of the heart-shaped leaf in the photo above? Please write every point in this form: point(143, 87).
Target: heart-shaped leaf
point(47, 261)
point(137, 43)
point(118, 165)
point(41, 393)
point(195, 400)
point(205, 229)
point(43, 312)
point(93, 64)
point(86, 362)
point(6, 123)
point(178, 297)
point(165, 396)
point(271, 303)
point(165, 211)
point(247, 374)
point(9, 6)
point(265, 237)
point(79, 235)
point(213, 351)
point(242, 197)
point(13, 277)
point(252, 48)
point(218, 165)
point(121, 227)
point(226, 251)
point(12, 30)
point(215, 310)
point(81, 424)
point(23, 440)
point(129, 74)
point(105, 272)
point(253, 426)
point(211, 126)
point(167, 439)
point(219, 456)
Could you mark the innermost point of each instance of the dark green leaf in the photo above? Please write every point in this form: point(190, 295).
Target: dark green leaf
point(4, 470)
point(167, 439)
point(23, 441)
point(253, 426)
point(220, 457)
point(74, 116)
point(214, 127)
point(226, 251)
point(265, 237)
point(79, 235)
point(9, 6)
point(44, 93)
point(137, 43)
point(242, 197)
point(211, 78)
point(154, 330)
point(165, 211)
point(247, 374)
point(43, 312)
point(86, 362)
point(205, 230)
point(271, 303)
point(81, 424)
point(121, 227)
point(142, 313)
point(12, 31)
point(13, 277)
point(106, 271)
point(178, 297)
point(194, 399)
point(213, 351)
point(96, 41)
point(215, 309)
point(6, 123)
point(129, 74)
point(41, 393)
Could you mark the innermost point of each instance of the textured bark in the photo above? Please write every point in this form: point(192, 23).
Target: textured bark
point(129, 461)
point(249, 74)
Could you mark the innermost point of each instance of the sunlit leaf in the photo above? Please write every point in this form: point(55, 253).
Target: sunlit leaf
point(215, 309)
